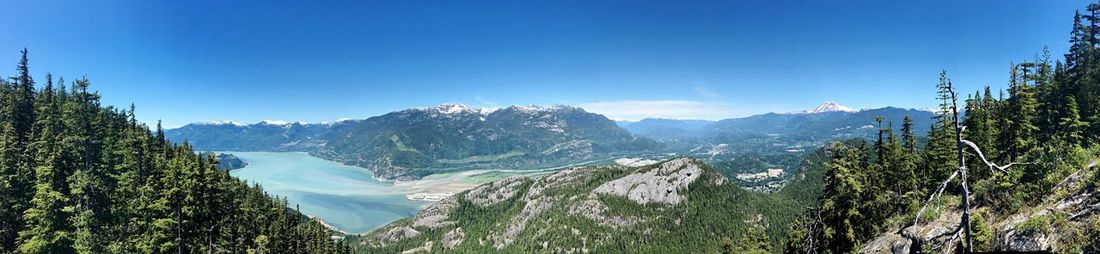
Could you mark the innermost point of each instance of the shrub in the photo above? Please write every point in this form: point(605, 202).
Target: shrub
point(983, 233)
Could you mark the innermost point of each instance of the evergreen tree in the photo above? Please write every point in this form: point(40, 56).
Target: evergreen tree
point(840, 204)
point(939, 155)
point(1019, 134)
point(48, 228)
point(1071, 124)
point(104, 183)
point(909, 140)
point(753, 241)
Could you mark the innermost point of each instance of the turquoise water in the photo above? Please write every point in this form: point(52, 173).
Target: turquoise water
point(343, 196)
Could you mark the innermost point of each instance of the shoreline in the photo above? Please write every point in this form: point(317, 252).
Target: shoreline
point(330, 226)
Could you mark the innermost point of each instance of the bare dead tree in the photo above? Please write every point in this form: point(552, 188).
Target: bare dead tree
point(961, 171)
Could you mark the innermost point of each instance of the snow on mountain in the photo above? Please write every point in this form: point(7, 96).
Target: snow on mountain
point(222, 122)
point(830, 106)
point(452, 108)
point(274, 122)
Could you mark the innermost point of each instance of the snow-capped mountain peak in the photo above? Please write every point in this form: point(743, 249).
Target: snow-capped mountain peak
point(274, 122)
point(830, 106)
point(221, 122)
point(452, 108)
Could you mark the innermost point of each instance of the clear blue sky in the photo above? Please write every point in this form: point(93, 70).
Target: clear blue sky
point(187, 61)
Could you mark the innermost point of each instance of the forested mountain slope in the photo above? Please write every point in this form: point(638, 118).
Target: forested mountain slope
point(675, 206)
point(261, 136)
point(79, 177)
point(413, 143)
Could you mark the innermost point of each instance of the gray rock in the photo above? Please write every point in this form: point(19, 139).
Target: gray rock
point(453, 238)
point(888, 243)
point(427, 247)
point(397, 234)
point(532, 209)
point(1025, 243)
point(596, 211)
point(495, 192)
point(658, 185)
point(436, 215)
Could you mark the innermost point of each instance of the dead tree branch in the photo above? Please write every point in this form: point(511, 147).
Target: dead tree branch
point(987, 162)
point(943, 186)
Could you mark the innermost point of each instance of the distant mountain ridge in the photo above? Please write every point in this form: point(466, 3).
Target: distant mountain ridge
point(416, 142)
point(829, 120)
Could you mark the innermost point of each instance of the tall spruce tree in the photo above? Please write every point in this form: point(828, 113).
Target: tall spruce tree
point(48, 229)
point(909, 139)
point(939, 155)
point(1071, 126)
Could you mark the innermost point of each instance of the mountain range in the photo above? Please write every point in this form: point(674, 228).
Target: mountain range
point(412, 143)
point(828, 121)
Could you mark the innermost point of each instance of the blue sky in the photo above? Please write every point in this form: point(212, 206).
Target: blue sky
point(313, 61)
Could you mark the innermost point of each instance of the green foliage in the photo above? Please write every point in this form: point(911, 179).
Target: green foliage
point(1035, 225)
point(81, 178)
point(714, 218)
point(1044, 123)
point(984, 239)
point(753, 241)
point(843, 199)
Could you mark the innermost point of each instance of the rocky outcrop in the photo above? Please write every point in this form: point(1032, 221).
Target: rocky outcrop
point(537, 202)
point(888, 243)
point(519, 223)
point(595, 210)
point(495, 192)
point(436, 215)
point(427, 247)
point(661, 184)
point(396, 234)
point(453, 238)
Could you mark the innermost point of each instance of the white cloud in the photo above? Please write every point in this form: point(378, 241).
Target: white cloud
point(633, 110)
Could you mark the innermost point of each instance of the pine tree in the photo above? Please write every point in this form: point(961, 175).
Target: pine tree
point(48, 228)
point(940, 154)
point(879, 148)
point(841, 200)
point(18, 168)
point(753, 241)
point(1071, 124)
point(1019, 133)
point(104, 183)
point(909, 140)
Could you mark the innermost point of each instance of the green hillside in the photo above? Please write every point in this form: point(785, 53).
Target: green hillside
point(692, 207)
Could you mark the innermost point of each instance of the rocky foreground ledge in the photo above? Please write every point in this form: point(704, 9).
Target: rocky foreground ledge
point(1075, 209)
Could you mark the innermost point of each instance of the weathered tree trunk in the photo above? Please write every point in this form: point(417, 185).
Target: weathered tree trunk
point(962, 168)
